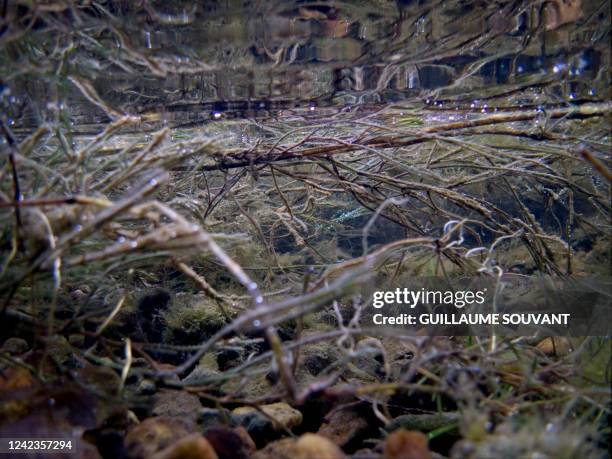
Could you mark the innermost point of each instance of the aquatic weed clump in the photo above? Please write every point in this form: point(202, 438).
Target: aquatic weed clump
point(535, 439)
point(192, 226)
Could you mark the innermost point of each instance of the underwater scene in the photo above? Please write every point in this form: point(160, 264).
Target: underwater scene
point(305, 229)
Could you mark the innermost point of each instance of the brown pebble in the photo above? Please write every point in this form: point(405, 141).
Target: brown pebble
point(343, 426)
point(406, 444)
point(155, 434)
point(557, 346)
point(193, 446)
point(231, 443)
point(309, 446)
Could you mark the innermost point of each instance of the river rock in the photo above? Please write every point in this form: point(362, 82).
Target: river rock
point(343, 426)
point(193, 446)
point(277, 417)
point(176, 404)
point(212, 417)
point(154, 435)
point(308, 446)
point(406, 444)
point(558, 346)
point(15, 346)
point(231, 443)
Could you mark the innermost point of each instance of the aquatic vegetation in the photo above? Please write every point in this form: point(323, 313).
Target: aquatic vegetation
point(196, 205)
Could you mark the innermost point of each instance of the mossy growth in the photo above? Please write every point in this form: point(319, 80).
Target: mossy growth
point(195, 321)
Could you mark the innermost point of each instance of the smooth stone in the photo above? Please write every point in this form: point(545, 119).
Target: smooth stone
point(15, 346)
point(406, 444)
point(176, 404)
point(193, 446)
point(155, 434)
point(284, 417)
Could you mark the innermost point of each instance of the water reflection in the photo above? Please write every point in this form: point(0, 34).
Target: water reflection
point(245, 59)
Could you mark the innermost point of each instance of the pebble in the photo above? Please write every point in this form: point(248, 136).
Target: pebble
point(559, 346)
point(231, 443)
point(308, 446)
point(343, 426)
point(258, 423)
point(212, 417)
point(193, 446)
point(15, 346)
point(155, 434)
point(174, 403)
point(406, 444)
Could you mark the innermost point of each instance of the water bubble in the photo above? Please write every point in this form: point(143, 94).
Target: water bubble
point(558, 67)
point(216, 115)
point(133, 244)
point(153, 182)
point(252, 287)
point(312, 108)
point(550, 427)
point(572, 95)
point(257, 323)
point(78, 228)
point(121, 240)
point(592, 92)
point(520, 69)
point(258, 299)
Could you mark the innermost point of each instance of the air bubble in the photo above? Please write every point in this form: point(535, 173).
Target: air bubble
point(133, 244)
point(257, 323)
point(252, 287)
point(216, 115)
point(78, 228)
point(153, 182)
point(121, 240)
point(558, 67)
point(572, 95)
point(258, 299)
